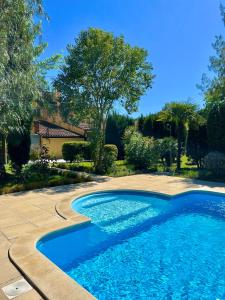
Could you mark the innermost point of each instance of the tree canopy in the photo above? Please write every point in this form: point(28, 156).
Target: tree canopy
point(214, 86)
point(22, 73)
point(99, 71)
point(214, 92)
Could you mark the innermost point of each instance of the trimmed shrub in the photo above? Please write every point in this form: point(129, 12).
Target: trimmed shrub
point(71, 150)
point(109, 157)
point(215, 162)
point(34, 153)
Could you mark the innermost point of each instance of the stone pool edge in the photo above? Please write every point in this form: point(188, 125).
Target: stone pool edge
point(49, 280)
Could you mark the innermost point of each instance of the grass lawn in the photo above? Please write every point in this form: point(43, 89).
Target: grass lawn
point(188, 170)
point(122, 168)
point(84, 166)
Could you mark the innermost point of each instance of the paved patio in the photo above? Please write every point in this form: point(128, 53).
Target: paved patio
point(24, 212)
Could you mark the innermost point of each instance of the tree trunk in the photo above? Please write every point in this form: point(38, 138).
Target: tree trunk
point(178, 154)
point(179, 146)
point(180, 138)
point(99, 152)
point(198, 164)
point(98, 141)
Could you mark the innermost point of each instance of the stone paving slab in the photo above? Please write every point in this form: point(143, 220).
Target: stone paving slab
point(21, 214)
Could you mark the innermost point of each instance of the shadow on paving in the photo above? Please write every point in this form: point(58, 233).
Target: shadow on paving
point(65, 188)
point(201, 183)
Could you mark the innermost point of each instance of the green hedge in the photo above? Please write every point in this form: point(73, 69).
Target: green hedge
point(72, 149)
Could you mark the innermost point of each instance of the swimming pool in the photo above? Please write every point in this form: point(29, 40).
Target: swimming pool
point(145, 246)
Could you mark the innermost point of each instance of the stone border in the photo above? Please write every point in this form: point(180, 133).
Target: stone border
point(48, 279)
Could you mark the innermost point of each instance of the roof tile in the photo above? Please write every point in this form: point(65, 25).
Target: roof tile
point(46, 129)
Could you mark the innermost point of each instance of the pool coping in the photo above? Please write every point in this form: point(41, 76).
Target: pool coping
point(49, 280)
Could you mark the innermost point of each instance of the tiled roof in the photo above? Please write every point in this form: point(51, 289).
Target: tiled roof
point(46, 129)
point(84, 126)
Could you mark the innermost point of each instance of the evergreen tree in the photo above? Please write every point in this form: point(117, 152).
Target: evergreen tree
point(197, 144)
point(115, 128)
point(214, 90)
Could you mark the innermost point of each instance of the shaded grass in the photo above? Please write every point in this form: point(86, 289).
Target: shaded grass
point(123, 168)
point(188, 170)
point(84, 166)
point(13, 183)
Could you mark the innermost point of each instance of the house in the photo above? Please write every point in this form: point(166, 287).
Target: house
point(54, 136)
point(52, 131)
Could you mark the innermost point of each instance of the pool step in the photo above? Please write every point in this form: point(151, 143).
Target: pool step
point(122, 218)
point(98, 203)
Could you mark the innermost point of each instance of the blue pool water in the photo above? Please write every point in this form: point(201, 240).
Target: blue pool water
point(145, 246)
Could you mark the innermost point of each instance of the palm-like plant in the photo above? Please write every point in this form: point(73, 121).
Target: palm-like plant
point(183, 114)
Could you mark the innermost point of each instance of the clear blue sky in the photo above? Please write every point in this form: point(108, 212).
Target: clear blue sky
point(177, 34)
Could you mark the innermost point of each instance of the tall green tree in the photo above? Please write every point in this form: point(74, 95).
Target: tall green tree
point(182, 114)
point(100, 70)
point(21, 72)
point(213, 85)
point(214, 92)
point(216, 126)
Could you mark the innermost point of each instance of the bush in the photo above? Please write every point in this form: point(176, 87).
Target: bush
point(142, 152)
point(35, 170)
point(39, 168)
point(215, 162)
point(109, 157)
point(34, 153)
point(71, 150)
